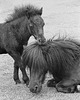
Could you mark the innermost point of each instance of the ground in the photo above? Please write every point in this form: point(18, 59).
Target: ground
point(10, 91)
point(61, 17)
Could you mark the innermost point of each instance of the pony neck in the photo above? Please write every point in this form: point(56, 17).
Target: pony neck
point(21, 30)
point(27, 32)
point(25, 42)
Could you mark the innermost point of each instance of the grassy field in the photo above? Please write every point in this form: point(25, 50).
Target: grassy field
point(10, 91)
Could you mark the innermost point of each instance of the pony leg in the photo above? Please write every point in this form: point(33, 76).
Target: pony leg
point(18, 64)
point(51, 83)
point(15, 75)
point(66, 86)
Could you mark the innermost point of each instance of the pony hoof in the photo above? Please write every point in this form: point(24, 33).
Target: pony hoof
point(51, 83)
point(66, 89)
point(27, 83)
point(17, 81)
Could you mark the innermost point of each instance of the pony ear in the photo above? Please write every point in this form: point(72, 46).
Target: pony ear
point(27, 14)
point(40, 12)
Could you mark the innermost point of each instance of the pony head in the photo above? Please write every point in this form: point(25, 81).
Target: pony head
point(37, 25)
point(31, 22)
point(33, 57)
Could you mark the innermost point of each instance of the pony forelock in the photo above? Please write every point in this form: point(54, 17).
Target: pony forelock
point(33, 57)
point(27, 10)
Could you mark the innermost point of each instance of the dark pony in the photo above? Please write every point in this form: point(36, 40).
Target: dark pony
point(16, 31)
point(61, 57)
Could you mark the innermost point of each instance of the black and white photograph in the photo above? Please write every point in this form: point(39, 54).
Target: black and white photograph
point(39, 49)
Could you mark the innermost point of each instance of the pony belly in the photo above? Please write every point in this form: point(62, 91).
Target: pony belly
point(76, 77)
point(69, 79)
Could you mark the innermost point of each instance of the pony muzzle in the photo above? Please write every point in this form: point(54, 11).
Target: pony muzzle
point(40, 39)
point(35, 89)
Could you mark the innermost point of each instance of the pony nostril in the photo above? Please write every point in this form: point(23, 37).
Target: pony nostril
point(42, 41)
point(36, 87)
point(34, 90)
point(39, 40)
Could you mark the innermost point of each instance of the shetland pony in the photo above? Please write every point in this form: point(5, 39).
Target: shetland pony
point(23, 23)
point(61, 57)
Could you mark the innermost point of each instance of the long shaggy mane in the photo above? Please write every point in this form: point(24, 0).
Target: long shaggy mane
point(33, 57)
point(28, 10)
point(60, 55)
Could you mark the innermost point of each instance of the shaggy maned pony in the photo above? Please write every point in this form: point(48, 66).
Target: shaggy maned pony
point(23, 23)
point(61, 57)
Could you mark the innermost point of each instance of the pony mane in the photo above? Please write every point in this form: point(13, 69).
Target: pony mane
point(33, 57)
point(28, 10)
point(62, 53)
